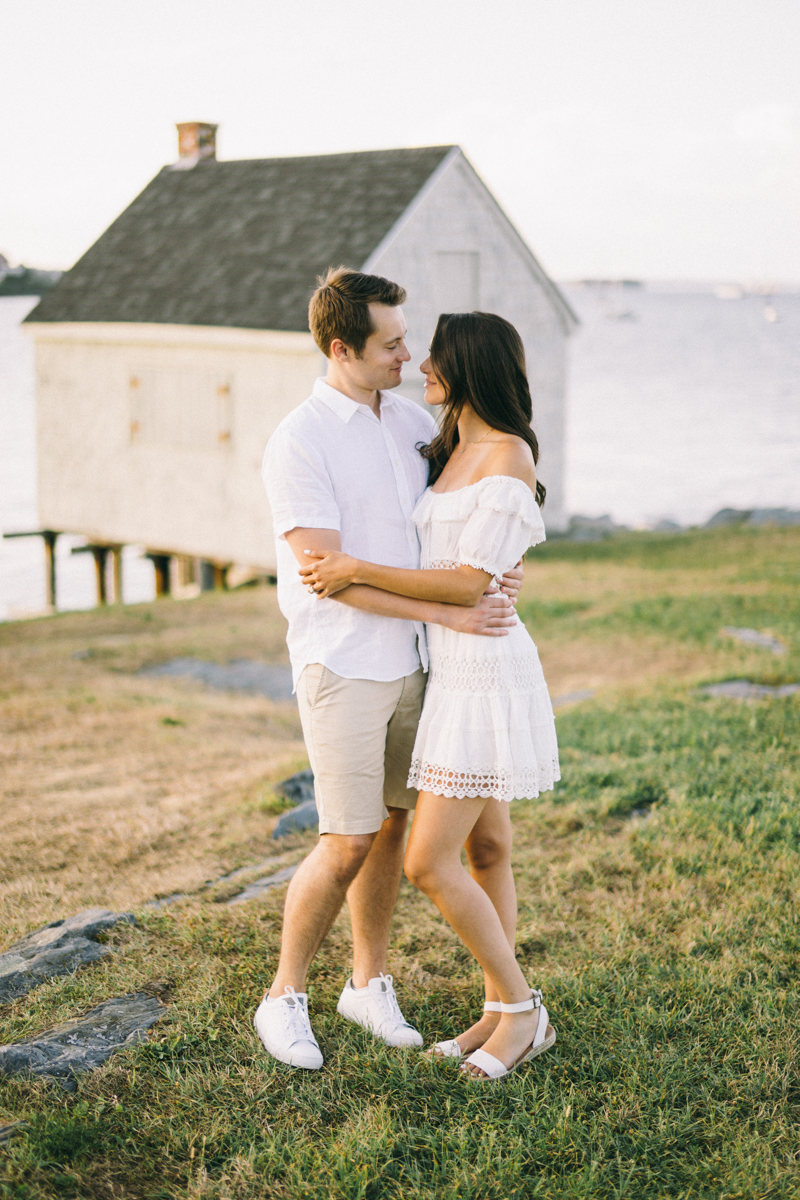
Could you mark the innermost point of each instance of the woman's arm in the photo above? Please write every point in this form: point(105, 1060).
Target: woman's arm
point(492, 616)
point(332, 571)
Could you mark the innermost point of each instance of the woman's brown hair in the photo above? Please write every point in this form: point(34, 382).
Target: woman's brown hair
point(479, 359)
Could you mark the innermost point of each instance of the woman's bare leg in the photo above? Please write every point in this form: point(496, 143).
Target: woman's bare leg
point(488, 850)
point(440, 829)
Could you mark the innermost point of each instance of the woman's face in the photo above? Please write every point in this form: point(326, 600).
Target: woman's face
point(434, 389)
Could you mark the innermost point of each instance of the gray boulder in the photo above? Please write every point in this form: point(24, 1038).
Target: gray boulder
point(239, 675)
point(56, 949)
point(728, 516)
point(593, 529)
point(305, 816)
point(754, 516)
point(743, 689)
point(84, 1042)
point(298, 788)
point(774, 516)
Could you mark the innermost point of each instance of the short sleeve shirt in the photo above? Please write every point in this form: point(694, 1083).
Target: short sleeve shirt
point(332, 464)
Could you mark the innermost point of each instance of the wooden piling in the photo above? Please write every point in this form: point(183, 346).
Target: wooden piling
point(49, 537)
point(100, 554)
point(116, 567)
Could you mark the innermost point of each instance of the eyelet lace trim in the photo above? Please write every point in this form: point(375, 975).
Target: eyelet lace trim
point(500, 785)
point(488, 676)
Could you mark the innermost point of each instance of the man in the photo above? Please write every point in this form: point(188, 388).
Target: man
point(343, 471)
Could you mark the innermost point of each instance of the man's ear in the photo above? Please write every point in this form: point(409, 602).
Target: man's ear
point(339, 351)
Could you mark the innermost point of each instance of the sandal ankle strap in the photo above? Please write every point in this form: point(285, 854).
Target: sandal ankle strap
point(492, 1006)
point(535, 1001)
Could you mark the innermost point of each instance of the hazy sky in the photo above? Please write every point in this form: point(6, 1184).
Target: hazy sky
point(641, 138)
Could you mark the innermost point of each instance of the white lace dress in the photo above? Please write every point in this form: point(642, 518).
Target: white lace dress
point(487, 725)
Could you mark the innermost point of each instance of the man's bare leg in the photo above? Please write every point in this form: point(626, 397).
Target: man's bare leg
point(316, 893)
point(372, 897)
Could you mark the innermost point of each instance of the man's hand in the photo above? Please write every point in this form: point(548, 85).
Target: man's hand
point(512, 582)
point(492, 616)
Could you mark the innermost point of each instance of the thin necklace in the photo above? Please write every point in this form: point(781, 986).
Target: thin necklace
point(475, 443)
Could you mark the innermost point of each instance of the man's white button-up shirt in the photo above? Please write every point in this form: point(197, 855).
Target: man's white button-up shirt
point(332, 464)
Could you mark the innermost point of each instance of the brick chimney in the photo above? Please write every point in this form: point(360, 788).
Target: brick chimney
point(196, 140)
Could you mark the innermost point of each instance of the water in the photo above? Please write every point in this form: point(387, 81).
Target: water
point(680, 403)
point(22, 564)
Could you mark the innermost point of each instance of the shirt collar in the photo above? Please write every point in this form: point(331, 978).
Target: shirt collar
point(342, 405)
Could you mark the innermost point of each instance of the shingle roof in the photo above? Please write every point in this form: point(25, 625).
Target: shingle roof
point(239, 243)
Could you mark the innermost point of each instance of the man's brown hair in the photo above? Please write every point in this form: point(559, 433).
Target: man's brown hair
point(339, 307)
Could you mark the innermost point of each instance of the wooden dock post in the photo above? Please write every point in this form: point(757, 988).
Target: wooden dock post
point(116, 567)
point(49, 537)
point(161, 565)
point(100, 554)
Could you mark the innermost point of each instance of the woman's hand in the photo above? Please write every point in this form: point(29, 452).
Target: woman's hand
point(512, 582)
point(330, 573)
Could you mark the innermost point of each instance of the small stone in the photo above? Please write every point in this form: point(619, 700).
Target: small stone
point(743, 689)
point(83, 1043)
point(239, 675)
point(166, 901)
point(753, 637)
point(56, 949)
point(12, 1130)
point(305, 816)
point(259, 886)
point(572, 697)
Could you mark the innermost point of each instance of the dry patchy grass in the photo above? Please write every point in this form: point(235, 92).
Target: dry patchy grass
point(119, 787)
point(668, 945)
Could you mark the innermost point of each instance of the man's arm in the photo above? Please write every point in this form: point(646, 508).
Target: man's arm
point(492, 616)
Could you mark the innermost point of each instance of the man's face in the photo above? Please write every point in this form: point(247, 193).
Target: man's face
point(380, 366)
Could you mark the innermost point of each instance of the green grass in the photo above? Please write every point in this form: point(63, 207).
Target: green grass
point(753, 553)
point(659, 890)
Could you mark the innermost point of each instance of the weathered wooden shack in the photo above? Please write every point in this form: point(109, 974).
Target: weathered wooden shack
point(168, 354)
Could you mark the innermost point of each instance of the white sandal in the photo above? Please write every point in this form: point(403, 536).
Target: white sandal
point(543, 1039)
point(451, 1048)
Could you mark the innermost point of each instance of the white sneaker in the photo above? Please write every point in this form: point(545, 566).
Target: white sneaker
point(376, 1008)
point(282, 1024)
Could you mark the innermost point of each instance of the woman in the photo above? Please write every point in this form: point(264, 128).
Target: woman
point(487, 732)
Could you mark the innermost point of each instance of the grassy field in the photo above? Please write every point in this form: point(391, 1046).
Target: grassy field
point(658, 908)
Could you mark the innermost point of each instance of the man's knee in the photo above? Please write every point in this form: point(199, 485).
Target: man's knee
point(395, 824)
point(347, 852)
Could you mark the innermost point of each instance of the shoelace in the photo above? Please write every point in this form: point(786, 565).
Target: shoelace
point(388, 1001)
point(295, 1017)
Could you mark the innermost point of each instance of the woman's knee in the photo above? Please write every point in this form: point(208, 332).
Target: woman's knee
point(419, 869)
point(488, 849)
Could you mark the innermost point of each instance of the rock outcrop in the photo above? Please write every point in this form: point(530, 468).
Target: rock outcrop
point(84, 1042)
point(56, 949)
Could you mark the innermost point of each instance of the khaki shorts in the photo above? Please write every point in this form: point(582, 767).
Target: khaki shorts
point(359, 735)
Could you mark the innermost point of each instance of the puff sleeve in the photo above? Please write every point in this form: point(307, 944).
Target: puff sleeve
point(504, 523)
